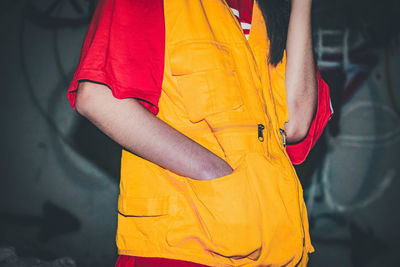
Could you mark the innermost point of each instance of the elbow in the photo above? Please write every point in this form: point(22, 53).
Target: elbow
point(297, 130)
point(301, 116)
point(79, 106)
point(83, 96)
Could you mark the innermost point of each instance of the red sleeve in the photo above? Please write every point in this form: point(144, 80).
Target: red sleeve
point(298, 152)
point(124, 49)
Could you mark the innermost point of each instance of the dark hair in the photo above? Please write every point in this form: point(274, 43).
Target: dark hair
point(276, 15)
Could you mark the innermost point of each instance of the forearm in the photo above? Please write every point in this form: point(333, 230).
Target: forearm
point(128, 123)
point(300, 78)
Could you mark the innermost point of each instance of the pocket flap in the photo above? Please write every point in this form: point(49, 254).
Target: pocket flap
point(142, 207)
point(198, 55)
point(209, 92)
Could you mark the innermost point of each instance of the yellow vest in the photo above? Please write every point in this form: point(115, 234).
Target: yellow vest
point(218, 90)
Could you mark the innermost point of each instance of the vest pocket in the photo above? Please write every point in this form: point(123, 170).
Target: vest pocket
point(205, 93)
point(229, 213)
point(142, 221)
point(143, 207)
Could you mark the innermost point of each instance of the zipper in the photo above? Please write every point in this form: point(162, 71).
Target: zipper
point(261, 127)
point(230, 126)
point(251, 53)
point(283, 135)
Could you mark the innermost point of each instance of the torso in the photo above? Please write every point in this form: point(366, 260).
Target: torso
point(217, 90)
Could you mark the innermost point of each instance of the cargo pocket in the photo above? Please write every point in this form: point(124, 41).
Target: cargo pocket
point(229, 214)
point(209, 92)
point(206, 78)
point(144, 207)
point(143, 221)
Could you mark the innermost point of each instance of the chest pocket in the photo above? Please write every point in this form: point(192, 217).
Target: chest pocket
point(206, 78)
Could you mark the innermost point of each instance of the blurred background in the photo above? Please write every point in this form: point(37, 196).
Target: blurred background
point(60, 175)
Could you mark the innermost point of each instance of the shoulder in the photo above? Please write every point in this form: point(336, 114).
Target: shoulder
point(130, 6)
point(128, 18)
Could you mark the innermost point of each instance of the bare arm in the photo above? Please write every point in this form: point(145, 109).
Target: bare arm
point(300, 78)
point(131, 125)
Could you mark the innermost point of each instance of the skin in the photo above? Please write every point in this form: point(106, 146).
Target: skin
point(128, 123)
point(300, 79)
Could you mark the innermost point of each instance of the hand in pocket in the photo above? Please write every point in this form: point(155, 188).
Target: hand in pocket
point(228, 211)
point(218, 168)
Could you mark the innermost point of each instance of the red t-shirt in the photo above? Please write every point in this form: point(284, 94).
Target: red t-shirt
point(243, 10)
point(124, 49)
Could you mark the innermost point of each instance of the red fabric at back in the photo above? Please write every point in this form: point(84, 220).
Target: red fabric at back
point(299, 152)
point(133, 261)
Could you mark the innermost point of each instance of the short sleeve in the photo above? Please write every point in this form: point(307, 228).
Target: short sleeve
point(298, 152)
point(124, 49)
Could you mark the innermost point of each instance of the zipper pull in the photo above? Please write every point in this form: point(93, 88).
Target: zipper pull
point(260, 132)
point(283, 135)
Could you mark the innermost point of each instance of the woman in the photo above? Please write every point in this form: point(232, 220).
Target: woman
point(203, 113)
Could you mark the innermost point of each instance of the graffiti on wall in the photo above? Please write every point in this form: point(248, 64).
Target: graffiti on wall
point(74, 137)
point(357, 167)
